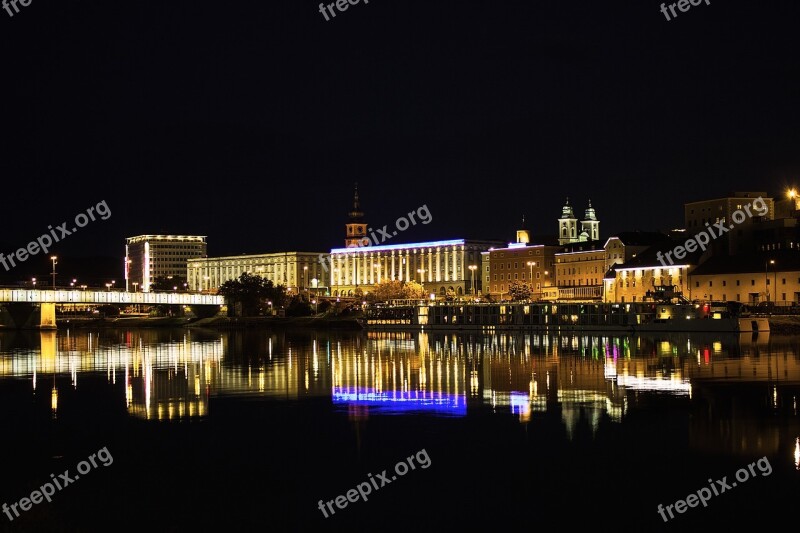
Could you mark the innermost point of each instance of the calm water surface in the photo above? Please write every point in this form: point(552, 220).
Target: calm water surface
point(247, 431)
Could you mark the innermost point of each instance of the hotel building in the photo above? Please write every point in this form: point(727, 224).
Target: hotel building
point(148, 257)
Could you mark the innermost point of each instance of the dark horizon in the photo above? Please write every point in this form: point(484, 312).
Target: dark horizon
point(250, 123)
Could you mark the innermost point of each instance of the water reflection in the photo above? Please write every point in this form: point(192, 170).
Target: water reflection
point(727, 384)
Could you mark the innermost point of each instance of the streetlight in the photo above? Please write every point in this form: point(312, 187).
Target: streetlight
point(108, 286)
point(135, 285)
point(305, 276)
point(127, 271)
point(55, 262)
point(33, 280)
point(73, 282)
point(531, 264)
point(269, 302)
point(766, 272)
point(472, 284)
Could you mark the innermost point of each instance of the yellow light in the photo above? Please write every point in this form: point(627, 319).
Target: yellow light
point(792, 193)
point(54, 399)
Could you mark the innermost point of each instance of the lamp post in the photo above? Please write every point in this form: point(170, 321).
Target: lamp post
point(135, 286)
point(305, 275)
point(127, 272)
point(472, 284)
point(33, 280)
point(531, 264)
point(73, 282)
point(766, 273)
point(55, 262)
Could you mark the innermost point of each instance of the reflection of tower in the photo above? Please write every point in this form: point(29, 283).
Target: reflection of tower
point(567, 225)
point(356, 227)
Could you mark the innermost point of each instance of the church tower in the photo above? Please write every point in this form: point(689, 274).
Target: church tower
point(590, 225)
point(567, 225)
point(523, 235)
point(356, 228)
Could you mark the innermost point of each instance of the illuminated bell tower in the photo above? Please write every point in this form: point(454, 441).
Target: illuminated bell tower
point(356, 227)
point(590, 225)
point(567, 225)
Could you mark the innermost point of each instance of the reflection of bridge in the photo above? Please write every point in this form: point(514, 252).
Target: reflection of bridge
point(24, 301)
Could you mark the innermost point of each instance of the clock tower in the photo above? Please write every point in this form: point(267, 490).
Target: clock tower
point(356, 228)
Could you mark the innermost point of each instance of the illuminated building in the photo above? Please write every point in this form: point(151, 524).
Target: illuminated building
point(581, 266)
point(520, 261)
point(442, 267)
point(750, 279)
point(148, 257)
point(294, 270)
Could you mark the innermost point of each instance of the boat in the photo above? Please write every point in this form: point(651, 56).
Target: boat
point(630, 317)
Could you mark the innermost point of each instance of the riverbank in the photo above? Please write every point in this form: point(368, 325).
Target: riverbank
point(219, 322)
point(784, 325)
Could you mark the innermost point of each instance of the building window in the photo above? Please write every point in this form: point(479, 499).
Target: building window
point(783, 282)
point(752, 283)
point(724, 283)
point(697, 284)
point(737, 282)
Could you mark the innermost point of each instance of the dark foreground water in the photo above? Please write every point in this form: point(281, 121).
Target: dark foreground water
point(248, 431)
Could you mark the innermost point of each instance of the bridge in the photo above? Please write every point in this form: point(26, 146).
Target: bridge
point(46, 300)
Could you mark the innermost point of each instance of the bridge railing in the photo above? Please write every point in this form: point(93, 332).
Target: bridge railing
point(108, 297)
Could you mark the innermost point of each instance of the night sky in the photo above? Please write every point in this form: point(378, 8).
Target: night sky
point(249, 121)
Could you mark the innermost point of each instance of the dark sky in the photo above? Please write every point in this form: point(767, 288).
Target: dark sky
point(249, 121)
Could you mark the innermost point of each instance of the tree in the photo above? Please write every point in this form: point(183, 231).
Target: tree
point(413, 291)
point(396, 290)
point(519, 291)
point(387, 290)
point(253, 293)
point(168, 283)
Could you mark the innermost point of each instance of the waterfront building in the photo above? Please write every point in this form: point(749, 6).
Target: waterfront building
point(644, 276)
point(739, 238)
point(447, 267)
point(443, 267)
point(750, 279)
point(297, 271)
point(148, 257)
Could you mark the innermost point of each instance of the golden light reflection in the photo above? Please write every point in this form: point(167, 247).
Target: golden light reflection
point(54, 400)
point(797, 453)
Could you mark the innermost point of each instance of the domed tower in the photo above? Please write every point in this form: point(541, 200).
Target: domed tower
point(567, 225)
point(356, 228)
point(590, 225)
